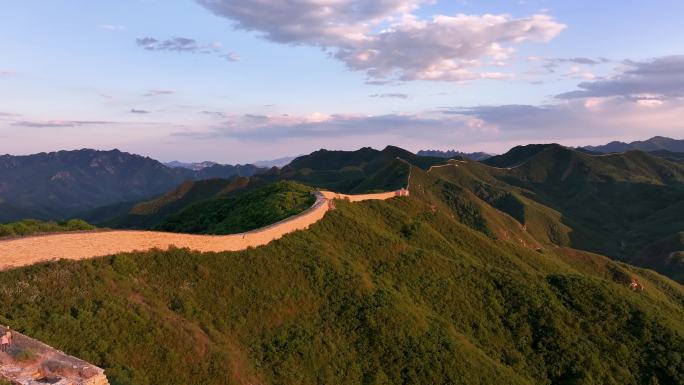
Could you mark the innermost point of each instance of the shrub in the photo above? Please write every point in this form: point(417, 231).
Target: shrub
point(34, 226)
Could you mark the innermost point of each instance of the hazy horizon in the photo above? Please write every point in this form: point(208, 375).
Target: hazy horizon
point(163, 160)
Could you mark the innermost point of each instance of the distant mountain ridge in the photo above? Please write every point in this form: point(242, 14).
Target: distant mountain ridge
point(190, 166)
point(59, 184)
point(278, 162)
point(656, 143)
point(453, 154)
point(628, 205)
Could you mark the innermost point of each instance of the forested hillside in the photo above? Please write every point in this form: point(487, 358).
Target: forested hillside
point(150, 213)
point(245, 212)
point(376, 293)
point(628, 206)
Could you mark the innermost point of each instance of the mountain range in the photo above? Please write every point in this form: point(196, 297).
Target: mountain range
point(488, 273)
point(657, 143)
point(278, 162)
point(626, 205)
point(58, 185)
point(196, 166)
point(453, 154)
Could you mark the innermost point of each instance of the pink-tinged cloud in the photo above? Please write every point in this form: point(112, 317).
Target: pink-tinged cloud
point(59, 123)
point(663, 76)
point(443, 48)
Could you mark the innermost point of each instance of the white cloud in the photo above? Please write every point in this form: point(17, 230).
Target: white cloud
point(446, 47)
point(159, 92)
point(185, 45)
point(579, 73)
point(325, 23)
point(383, 38)
point(393, 95)
point(112, 27)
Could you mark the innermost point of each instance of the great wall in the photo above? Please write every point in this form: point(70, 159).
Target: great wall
point(30, 362)
point(83, 245)
point(50, 366)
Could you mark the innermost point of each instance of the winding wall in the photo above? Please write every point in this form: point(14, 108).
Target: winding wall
point(30, 250)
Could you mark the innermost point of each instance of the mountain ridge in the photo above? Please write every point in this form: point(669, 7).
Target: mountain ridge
point(454, 154)
point(653, 144)
point(63, 183)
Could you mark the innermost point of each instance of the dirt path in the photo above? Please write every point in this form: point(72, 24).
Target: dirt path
point(30, 250)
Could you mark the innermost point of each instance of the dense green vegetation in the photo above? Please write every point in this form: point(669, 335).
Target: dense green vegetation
point(244, 212)
point(148, 214)
point(391, 292)
point(33, 227)
point(629, 206)
point(470, 280)
point(361, 171)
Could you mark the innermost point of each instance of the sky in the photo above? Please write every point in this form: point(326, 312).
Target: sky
point(237, 81)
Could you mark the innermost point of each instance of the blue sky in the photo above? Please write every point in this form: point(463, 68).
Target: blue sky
point(238, 80)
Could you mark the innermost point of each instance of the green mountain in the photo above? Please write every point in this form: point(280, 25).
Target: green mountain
point(656, 143)
point(627, 206)
point(148, 214)
point(364, 170)
point(64, 184)
point(619, 205)
point(441, 287)
point(669, 155)
point(244, 212)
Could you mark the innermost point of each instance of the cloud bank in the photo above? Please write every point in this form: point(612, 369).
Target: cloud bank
point(659, 78)
point(386, 41)
point(59, 123)
point(636, 102)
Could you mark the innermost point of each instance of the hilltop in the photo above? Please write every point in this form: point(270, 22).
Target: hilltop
point(354, 172)
point(656, 143)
